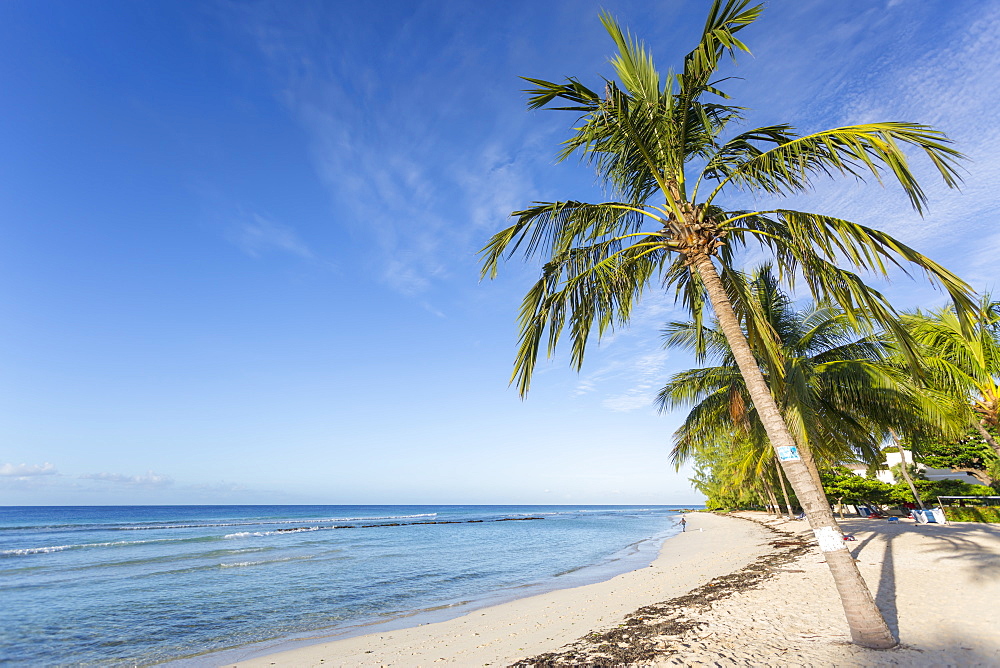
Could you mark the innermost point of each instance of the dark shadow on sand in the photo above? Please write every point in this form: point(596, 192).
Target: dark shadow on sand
point(885, 597)
point(955, 541)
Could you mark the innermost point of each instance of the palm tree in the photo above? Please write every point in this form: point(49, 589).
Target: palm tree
point(735, 472)
point(963, 363)
point(839, 392)
point(904, 470)
point(644, 133)
point(842, 394)
point(730, 472)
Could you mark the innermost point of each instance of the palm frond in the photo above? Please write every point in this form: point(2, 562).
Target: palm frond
point(633, 64)
point(553, 228)
point(581, 289)
point(858, 150)
point(811, 245)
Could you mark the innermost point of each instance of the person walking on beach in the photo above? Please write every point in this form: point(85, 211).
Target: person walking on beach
point(684, 525)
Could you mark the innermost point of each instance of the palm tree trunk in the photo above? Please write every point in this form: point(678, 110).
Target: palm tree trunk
point(987, 436)
point(761, 493)
point(868, 627)
point(784, 489)
point(902, 467)
point(769, 488)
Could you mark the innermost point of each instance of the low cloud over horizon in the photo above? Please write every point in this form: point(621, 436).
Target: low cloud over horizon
point(23, 470)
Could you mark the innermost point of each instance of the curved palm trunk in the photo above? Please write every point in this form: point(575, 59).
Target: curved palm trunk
point(987, 436)
point(806, 453)
point(902, 468)
point(784, 488)
point(868, 628)
point(772, 499)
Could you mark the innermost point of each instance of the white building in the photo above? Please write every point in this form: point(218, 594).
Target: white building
point(893, 459)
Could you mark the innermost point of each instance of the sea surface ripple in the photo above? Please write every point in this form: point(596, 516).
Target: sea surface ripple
point(138, 585)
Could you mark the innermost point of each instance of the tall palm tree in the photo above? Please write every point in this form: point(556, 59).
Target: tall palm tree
point(657, 144)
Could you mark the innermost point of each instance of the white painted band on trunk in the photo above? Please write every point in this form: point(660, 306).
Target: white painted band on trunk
point(829, 539)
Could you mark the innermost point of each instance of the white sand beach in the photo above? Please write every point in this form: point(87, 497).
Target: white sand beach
point(937, 585)
point(741, 591)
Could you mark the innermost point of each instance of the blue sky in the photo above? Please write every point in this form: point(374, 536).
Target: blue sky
point(237, 240)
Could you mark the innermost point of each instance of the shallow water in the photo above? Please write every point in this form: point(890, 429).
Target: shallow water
point(146, 584)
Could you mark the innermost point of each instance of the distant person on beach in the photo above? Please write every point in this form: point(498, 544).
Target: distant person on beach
point(684, 524)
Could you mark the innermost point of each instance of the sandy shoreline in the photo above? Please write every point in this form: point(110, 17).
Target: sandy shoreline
point(937, 586)
point(503, 634)
point(732, 591)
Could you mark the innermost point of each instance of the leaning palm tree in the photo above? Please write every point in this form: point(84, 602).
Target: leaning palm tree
point(657, 143)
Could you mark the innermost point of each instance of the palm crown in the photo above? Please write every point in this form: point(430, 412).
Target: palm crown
point(963, 363)
point(659, 145)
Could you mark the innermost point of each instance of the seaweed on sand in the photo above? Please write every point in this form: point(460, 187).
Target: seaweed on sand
point(647, 633)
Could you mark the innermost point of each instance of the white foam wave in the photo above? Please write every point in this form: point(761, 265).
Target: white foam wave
point(59, 548)
point(248, 534)
point(243, 564)
point(265, 522)
point(36, 550)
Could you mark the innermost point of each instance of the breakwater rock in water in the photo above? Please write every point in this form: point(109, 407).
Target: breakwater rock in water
point(406, 524)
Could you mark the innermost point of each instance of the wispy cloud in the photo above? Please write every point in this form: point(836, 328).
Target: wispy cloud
point(648, 372)
point(638, 397)
point(629, 367)
point(422, 166)
point(219, 487)
point(940, 84)
point(502, 184)
point(260, 235)
point(27, 470)
point(150, 479)
point(981, 269)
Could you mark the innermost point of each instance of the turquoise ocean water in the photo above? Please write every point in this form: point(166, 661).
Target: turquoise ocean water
point(138, 585)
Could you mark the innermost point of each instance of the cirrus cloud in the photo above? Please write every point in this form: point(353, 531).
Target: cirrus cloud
point(261, 235)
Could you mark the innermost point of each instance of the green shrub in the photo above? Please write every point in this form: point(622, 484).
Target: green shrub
point(972, 513)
